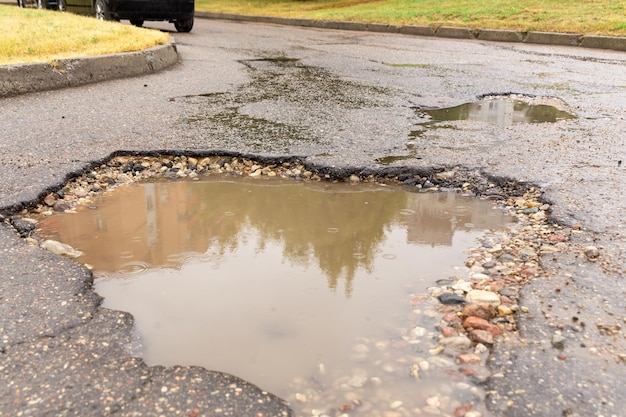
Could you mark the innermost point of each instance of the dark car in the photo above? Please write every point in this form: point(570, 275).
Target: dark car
point(178, 12)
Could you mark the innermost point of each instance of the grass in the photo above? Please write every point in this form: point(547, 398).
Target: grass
point(600, 17)
point(31, 35)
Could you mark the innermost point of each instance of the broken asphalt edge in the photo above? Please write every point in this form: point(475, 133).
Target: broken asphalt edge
point(16, 79)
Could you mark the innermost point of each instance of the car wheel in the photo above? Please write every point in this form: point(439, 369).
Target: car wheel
point(61, 5)
point(184, 25)
point(102, 10)
point(136, 22)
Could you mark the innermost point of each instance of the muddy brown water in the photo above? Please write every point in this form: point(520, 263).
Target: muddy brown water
point(301, 288)
point(500, 111)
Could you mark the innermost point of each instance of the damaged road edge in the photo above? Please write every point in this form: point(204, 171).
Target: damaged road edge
point(97, 349)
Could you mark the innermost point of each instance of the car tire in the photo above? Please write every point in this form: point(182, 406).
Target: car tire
point(184, 25)
point(61, 5)
point(137, 22)
point(102, 10)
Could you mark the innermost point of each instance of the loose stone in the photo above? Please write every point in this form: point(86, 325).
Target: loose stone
point(484, 311)
point(448, 298)
point(50, 199)
point(504, 310)
point(481, 336)
point(506, 257)
point(449, 332)
point(468, 358)
point(463, 286)
point(483, 297)
point(451, 318)
point(558, 341)
point(591, 252)
point(395, 405)
point(461, 410)
point(456, 342)
point(60, 248)
point(481, 324)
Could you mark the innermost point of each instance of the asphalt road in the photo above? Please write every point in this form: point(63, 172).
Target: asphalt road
point(336, 99)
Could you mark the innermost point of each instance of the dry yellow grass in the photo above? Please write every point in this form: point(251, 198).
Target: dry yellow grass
point(31, 35)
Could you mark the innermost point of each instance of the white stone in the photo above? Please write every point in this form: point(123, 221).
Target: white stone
point(483, 297)
point(479, 276)
point(464, 286)
point(60, 248)
point(418, 332)
point(456, 342)
point(396, 404)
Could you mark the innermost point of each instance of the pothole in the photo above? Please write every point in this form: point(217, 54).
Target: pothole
point(358, 243)
point(501, 111)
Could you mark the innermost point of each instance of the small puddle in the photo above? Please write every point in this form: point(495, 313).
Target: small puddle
point(500, 111)
point(309, 290)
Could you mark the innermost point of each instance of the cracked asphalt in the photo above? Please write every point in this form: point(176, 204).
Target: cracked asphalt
point(335, 99)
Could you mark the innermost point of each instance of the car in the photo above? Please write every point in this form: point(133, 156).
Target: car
point(178, 12)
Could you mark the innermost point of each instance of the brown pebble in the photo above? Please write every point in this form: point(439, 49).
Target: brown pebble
point(60, 206)
point(461, 410)
point(481, 324)
point(494, 286)
point(451, 318)
point(449, 331)
point(483, 311)
point(49, 200)
point(529, 272)
point(562, 357)
point(467, 371)
point(468, 358)
point(506, 300)
point(481, 336)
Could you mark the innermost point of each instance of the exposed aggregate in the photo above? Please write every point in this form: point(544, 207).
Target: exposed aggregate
point(473, 311)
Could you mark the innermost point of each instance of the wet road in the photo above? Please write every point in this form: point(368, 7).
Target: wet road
point(348, 99)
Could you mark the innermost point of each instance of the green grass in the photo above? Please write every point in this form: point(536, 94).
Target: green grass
point(601, 17)
point(31, 35)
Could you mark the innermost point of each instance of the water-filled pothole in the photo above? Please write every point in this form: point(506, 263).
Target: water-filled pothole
point(309, 290)
point(500, 111)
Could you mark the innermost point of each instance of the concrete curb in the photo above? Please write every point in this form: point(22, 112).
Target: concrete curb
point(492, 35)
point(26, 78)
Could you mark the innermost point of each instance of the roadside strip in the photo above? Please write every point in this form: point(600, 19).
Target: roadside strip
point(19, 79)
point(494, 35)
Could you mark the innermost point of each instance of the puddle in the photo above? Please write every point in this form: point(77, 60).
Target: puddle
point(388, 160)
point(309, 290)
point(500, 111)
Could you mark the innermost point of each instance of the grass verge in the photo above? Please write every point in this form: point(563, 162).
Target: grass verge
point(600, 17)
point(31, 35)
